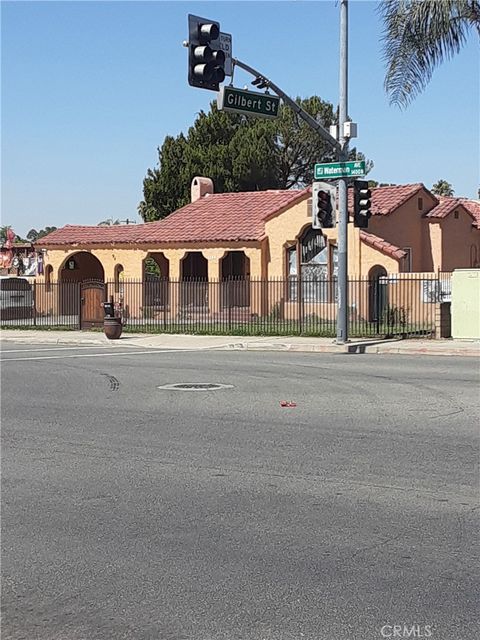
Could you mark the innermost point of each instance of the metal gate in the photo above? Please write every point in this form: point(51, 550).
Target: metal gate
point(92, 296)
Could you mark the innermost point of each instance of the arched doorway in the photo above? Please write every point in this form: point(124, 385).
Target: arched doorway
point(194, 280)
point(235, 275)
point(377, 293)
point(81, 280)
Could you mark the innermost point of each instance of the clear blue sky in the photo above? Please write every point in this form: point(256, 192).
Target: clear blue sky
point(90, 90)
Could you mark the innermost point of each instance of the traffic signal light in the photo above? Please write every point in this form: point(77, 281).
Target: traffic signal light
point(260, 82)
point(324, 207)
point(206, 60)
point(361, 204)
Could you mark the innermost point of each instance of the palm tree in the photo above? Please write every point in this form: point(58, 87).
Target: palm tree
point(419, 35)
point(442, 188)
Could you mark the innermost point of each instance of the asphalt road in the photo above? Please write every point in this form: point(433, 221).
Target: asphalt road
point(133, 512)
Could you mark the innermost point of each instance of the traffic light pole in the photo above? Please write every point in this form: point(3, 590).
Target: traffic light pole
point(341, 147)
point(316, 126)
point(342, 304)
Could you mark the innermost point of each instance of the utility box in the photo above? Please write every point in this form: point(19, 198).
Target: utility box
point(350, 129)
point(466, 304)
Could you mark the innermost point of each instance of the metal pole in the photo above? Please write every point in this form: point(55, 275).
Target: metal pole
point(342, 307)
point(316, 126)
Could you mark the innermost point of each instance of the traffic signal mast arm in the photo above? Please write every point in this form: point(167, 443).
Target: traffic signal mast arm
point(312, 123)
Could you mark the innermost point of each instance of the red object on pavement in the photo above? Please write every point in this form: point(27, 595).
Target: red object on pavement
point(288, 403)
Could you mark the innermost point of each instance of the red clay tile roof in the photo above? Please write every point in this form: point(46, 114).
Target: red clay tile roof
point(78, 234)
point(444, 207)
point(387, 199)
point(221, 217)
point(447, 204)
point(382, 245)
point(473, 208)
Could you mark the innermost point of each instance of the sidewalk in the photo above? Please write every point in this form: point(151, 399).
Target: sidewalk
point(240, 343)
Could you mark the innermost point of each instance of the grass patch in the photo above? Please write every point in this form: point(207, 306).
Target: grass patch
point(257, 327)
point(38, 327)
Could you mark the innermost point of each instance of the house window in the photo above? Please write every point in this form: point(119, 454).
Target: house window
point(318, 268)
point(48, 277)
point(333, 261)
point(420, 204)
point(407, 261)
point(455, 215)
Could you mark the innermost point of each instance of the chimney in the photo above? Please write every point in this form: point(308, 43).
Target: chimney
point(200, 187)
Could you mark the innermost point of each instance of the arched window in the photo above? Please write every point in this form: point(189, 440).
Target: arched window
point(318, 262)
point(118, 276)
point(48, 277)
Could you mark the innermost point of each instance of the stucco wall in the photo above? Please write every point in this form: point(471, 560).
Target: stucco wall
point(372, 258)
point(131, 258)
point(458, 235)
point(406, 227)
point(284, 229)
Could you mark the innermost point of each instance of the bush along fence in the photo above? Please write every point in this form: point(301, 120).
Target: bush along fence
point(401, 304)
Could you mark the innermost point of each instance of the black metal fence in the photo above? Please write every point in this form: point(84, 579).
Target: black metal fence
point(400, 304)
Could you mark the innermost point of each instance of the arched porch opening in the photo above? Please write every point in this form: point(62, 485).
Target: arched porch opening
point(75, 275)
point(377, 293)
point(194, 280)
point(156, 274)
point(81, 266)
point(235, 276)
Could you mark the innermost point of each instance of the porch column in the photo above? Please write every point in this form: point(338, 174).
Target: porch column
point(214, 284)
point(174, 283)
point(258, 289)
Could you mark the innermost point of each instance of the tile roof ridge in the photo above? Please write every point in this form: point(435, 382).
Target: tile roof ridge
point(369, 235)
point(382, 244)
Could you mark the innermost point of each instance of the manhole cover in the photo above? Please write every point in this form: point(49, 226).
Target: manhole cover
point(195, 386)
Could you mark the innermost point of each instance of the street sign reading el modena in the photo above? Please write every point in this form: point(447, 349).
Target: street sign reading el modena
point(333, 170)
point(248, 102)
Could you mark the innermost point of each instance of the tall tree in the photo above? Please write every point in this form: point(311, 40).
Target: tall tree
point(418, 36)
point(238, 153)
point(44, 232)
point(442, 188)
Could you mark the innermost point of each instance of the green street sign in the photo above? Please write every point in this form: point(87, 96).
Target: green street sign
point(333, 170)
point(248, 102)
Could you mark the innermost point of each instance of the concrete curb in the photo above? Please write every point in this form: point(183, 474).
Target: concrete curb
point(396, 347)
point(364, 349)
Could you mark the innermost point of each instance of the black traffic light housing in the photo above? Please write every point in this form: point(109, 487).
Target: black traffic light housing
point(362, 204)
point(324, 209)
point(206, 60)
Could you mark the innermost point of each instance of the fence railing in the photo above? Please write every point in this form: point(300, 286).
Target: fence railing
point(400, 304)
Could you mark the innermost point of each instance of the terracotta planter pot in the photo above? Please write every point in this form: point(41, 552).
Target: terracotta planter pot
point(112, 328)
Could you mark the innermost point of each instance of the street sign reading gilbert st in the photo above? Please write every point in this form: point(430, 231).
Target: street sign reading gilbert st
point(333, 170)
point(248, 102)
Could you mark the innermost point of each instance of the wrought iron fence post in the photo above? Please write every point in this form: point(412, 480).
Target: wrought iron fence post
point(301, 306)
point(229, 300)
point(165, 299)
point(80, 301)
point(34, 303)
point(378, 311)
